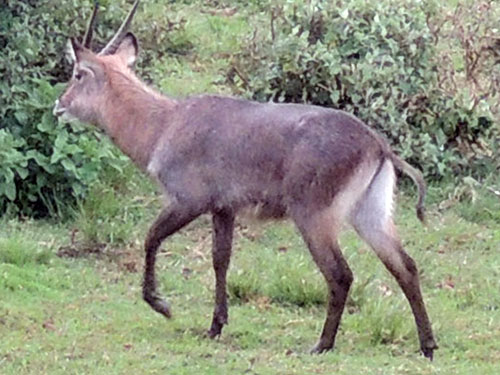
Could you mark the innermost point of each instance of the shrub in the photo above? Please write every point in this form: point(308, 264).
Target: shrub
point(376, 60)
point(46, 166)
point(43, 164)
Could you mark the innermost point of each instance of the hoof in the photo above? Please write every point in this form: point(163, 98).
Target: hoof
point(213, 333)
point(159, 305)
point(218, 321)
point(320, 348)
point(163, 308)
point(428, 351)
point(216, 327)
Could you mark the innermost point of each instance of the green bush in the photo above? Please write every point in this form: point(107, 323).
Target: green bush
point(45, 166)
point(376, 60)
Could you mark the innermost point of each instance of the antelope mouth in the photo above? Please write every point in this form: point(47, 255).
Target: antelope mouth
point(58, 110)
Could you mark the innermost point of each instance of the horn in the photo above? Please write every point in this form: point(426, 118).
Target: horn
point(113, 44)
point(87, 39)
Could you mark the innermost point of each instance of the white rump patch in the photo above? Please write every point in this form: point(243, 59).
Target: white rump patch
point(346, 201)
point(376, 205)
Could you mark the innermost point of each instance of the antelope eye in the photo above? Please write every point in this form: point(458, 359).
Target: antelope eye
point(78, 76)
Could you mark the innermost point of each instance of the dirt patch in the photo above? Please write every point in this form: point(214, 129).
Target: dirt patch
point(127, 260)
point(78, 251)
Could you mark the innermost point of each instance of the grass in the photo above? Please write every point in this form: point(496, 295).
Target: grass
point(71, 292)
point(82, 312)
point(17, 251)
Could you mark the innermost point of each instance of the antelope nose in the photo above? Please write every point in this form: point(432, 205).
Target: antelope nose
point(58, 110)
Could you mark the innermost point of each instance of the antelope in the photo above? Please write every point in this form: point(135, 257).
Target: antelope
point(220, 155)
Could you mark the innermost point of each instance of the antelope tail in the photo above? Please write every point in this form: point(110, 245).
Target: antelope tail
point(418, 179)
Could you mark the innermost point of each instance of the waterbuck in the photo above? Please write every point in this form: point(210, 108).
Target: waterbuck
point(212, 154)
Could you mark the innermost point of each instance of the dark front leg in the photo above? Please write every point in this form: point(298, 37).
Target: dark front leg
point(222, 237)
point(170, 220)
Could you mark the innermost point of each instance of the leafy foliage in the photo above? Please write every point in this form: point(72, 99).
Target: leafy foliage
point(467, 46)
point(375, 60)
point(45, 166)
point(42, 163)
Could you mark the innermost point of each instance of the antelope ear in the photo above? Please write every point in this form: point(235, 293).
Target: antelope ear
point(128, 49)
point(73, 50)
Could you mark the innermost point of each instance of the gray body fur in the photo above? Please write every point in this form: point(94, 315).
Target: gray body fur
point(319, 167)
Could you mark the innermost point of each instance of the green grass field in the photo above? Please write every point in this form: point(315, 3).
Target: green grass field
point(71, 308)
point(70, 293)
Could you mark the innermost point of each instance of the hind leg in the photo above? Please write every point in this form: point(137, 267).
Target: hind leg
point(319, 234)
point(374, 224)
point(223, 226)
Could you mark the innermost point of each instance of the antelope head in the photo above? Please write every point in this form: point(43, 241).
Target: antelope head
point(89, 88)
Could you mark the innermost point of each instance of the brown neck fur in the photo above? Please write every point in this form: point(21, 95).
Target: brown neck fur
point(134, 115)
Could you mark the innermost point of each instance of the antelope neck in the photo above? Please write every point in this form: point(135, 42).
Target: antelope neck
point(135, 117)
